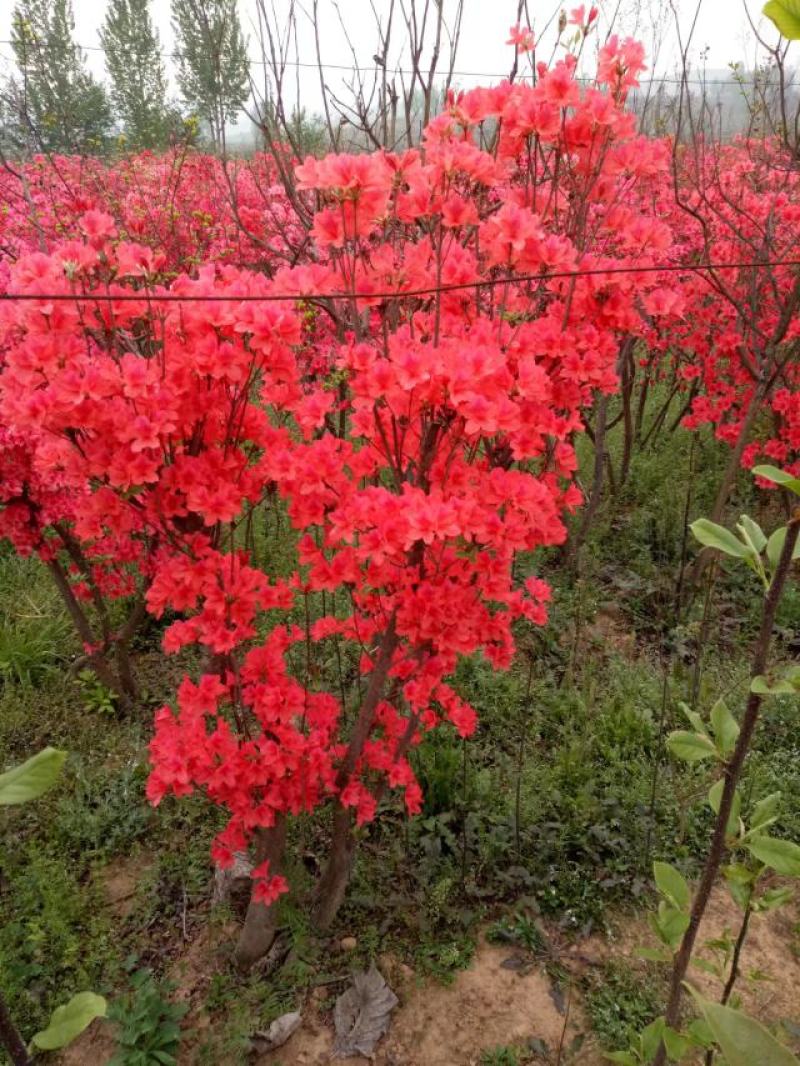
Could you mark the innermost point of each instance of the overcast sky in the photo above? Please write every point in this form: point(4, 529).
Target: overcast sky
point(722, 33)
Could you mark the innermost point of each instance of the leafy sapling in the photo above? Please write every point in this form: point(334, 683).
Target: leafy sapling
point(727, 741)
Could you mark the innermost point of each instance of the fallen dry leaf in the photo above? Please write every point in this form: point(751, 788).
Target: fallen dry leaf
point(278, 1033)
point(362, 1014)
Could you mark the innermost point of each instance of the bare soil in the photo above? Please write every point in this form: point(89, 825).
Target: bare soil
point(769, 982)
point(487, 1006)
point(120, 881)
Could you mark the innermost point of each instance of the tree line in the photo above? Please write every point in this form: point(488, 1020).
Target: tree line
point(53, 103)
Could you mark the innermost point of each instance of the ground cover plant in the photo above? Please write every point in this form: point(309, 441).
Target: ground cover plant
point(344, 551)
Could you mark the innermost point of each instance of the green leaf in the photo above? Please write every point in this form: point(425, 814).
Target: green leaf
point(720, 538)
point(773, 473)
point(653, 954)
point(715, 800)
point(706, 967)
point(70, 1020)
point(775, 547)
point(738, 873)
point(765, 811)
point(753, 532)
point(700, 1033)
point(715, 795)
point(762, 687)
point(782, 856)
point(650, 1038)
point(743, 1041)
point(676, 1044)
point(772, 899)
point(164, 1058)
point(720, 943)
point(670, 924)
point(741, 894)
point(672, 884)
point(32, 778)
point(725, 726)
point(691, 747)
point(624, 1057)
point(694, 719)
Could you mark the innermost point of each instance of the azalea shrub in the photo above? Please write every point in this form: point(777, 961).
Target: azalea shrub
point(400, 357)
point(727, 343)
point(186, 206)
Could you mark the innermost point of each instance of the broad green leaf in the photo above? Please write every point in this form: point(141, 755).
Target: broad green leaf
point(741, 894)
point(715, 800)
point(70, 1020)
point(785, 18)
point(725, 726)
point(753, 532)
point(676, 1044)
point(691, 747)
point(720, 538)
point(650, 1038)
point(624, 1057)
point(700, 1033)
point(743, 1041)
point(763, 687)
point(694, 719)
point(773, 473)
point(765, 811)
point(670, 924)
point(782, 856)
point(775, 547)
point(32, 778)
point(738, 873)
point(672, 884)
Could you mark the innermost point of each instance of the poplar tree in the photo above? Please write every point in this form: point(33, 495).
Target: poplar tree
point(213, 68)
point(64, 108)
point(138, 77)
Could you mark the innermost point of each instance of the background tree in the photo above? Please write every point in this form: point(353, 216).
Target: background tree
point(136, 69)
point(213, 67)
point(64, 108)
point(14, 136)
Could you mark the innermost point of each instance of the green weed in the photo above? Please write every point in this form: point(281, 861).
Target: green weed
point(620, 1001)
point(148, 1024)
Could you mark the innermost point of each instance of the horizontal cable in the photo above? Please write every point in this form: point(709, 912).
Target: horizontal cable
point(373, 69)
point(150, 297)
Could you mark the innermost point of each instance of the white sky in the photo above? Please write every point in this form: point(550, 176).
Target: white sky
point(721, 37)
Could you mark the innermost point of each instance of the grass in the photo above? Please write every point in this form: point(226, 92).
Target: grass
point(55, 937)
point(504, 1056)
point(545, 816)
point(35, 635)
point(620, 1001)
